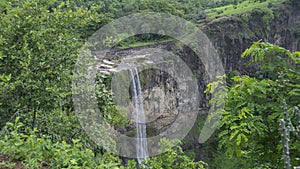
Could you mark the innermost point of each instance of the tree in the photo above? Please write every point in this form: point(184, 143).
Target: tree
point(39, 43)
point(254, 106)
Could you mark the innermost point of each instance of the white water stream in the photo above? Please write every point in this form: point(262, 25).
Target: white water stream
point(141, 135)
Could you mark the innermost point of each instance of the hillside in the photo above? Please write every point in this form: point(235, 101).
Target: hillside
point(121, 84)
point(233, 33)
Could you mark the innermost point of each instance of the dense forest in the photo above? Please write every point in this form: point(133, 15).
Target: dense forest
point(258, 127)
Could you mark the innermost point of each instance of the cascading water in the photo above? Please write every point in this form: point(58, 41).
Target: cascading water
point(141, 135)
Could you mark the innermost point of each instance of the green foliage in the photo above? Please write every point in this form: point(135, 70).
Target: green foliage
point(39, 42)
point(36, 150)
point(246, 6)
point(174, 157)
point(222, 161)
point(238, 123)
point(266, 15)
point(253, 107)
point(7, 164)
point(60, 126)
point(106, 105)
point(38, 49)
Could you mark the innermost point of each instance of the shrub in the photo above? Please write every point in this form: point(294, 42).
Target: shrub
point(36, 150)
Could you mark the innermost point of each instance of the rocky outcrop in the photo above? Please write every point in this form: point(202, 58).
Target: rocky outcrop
point(166, 83)
point(232, 35)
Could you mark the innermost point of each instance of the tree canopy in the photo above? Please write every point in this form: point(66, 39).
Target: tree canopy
point(255, 105)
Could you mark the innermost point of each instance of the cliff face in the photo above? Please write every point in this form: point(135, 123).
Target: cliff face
point(232, 35)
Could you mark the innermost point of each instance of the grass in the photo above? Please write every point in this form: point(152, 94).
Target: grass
point(214, 13)
point(139, 44)
point(243, 7)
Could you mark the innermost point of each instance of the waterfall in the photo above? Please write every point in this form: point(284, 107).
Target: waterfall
point(141, 135)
